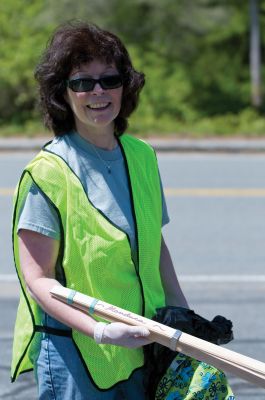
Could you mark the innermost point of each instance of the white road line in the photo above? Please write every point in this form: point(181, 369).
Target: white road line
point(9, 278)
point(215, 192)
point(189, 192)
point(222, 278)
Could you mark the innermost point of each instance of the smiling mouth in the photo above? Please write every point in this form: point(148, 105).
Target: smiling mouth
point(98, 106)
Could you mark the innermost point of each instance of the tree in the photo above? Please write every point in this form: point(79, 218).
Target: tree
point(22, 39)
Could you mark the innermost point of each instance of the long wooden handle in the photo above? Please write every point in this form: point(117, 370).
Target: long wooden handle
point(227, 360)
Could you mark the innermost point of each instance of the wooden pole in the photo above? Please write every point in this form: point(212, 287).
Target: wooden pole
point(227, 360)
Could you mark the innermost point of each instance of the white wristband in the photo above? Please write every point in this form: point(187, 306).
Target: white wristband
point(98, 331)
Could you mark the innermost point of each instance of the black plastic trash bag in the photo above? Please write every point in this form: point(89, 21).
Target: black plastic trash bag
point(159, 359)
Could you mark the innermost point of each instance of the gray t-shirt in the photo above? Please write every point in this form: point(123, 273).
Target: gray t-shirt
point(108, 192)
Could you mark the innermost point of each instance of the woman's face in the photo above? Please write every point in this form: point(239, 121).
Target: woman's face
point(94, 110)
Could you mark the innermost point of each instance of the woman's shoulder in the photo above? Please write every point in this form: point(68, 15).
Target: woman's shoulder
point(51, 155)
point(137, 145)
point(59, 145)
point(135, 141)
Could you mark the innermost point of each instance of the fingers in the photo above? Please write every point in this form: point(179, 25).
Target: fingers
point(120, 334)
point(138, 331)
point(135, 343)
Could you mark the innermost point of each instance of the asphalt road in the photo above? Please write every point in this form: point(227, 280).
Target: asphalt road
point(216, 237)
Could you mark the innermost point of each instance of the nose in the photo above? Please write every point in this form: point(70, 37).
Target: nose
point(97, 88)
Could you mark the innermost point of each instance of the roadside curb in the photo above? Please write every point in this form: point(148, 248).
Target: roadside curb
point(209, 145)
point(22, 144)
point(215, 145)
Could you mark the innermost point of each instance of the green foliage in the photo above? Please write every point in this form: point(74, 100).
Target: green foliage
point(194, 53)
point(22, 38)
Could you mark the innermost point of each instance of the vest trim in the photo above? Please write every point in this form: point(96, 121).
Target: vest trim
point(23, 372)
point(21, 286)
point(60, 257)
point(135, 223)
point(131, 197)
point(90, 376)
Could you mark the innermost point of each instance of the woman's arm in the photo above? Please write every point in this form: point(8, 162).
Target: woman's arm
point(38, 255)
point(173, 292)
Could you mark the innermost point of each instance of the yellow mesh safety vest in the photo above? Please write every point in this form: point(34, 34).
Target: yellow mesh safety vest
point(96, 257)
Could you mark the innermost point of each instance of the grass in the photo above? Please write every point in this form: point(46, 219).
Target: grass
point(28, 129)
point(247, 124)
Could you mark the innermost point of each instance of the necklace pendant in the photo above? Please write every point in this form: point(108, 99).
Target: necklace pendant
point(101, 159)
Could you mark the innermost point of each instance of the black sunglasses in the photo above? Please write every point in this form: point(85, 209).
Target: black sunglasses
point(88, 84)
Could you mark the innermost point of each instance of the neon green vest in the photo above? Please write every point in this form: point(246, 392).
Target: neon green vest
point(96, 257)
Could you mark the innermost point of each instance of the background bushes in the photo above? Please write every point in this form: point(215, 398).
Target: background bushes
point(195, 54)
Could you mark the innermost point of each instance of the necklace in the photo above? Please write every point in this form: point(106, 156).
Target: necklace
point(100, 158)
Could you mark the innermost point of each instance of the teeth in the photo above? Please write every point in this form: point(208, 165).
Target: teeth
point(98, 105)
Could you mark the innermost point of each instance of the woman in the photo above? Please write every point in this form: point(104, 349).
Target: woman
point(88, 215)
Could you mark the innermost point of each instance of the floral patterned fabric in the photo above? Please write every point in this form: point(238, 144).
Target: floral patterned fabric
point(189, 379)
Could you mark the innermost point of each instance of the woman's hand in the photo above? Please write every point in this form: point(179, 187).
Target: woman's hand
point(120, 334)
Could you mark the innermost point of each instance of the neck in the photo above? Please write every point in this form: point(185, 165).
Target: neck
point(103, 138)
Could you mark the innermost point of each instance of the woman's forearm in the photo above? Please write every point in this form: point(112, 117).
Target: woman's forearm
point(75, 319)
point(173, 292)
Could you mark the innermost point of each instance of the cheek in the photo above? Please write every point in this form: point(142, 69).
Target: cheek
point(73, 97)
point(117, 97)
point(78, 97)
point(78, 100)
point(81, 96)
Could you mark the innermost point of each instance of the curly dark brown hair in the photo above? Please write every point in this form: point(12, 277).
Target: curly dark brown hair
point(71, 45)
